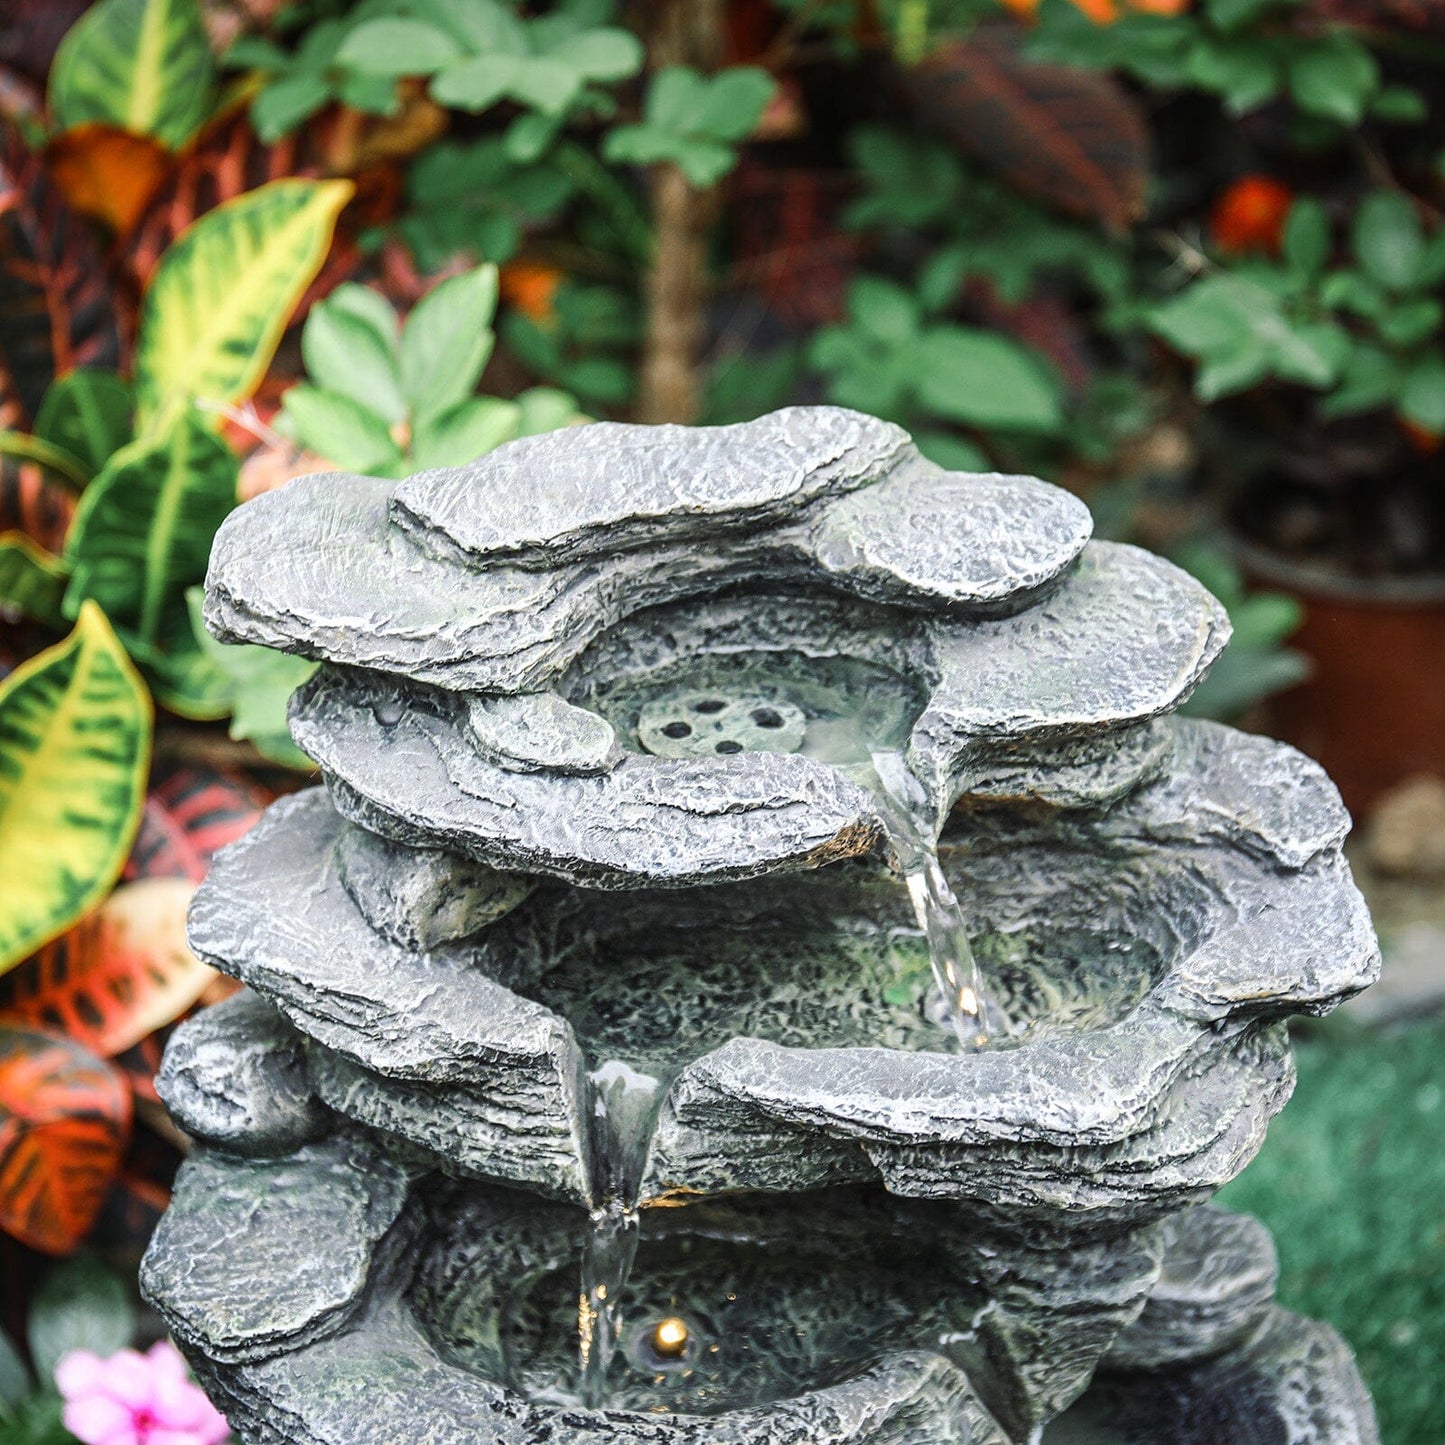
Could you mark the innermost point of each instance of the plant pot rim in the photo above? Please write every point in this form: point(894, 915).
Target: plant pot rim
point(1318, 579)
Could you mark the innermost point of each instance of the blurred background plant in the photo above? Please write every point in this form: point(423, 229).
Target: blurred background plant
point(1182, 256)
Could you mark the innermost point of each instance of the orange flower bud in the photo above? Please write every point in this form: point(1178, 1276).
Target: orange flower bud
point(1250, 215)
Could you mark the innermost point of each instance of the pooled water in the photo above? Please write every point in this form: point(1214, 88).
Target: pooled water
point(850, 713)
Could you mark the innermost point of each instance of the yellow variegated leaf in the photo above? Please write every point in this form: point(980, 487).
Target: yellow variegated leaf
point(141, 65)
point(75, 730)
point(222, 294)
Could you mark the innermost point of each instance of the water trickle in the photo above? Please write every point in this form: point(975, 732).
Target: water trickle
point(625, 1106)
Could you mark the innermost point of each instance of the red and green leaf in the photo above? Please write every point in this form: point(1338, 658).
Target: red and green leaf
point(65, 1117)
point(1070, 138)
point(57, 310)
point(119, 974)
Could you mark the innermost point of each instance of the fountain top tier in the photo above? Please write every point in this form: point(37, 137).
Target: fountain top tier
point(513, 647)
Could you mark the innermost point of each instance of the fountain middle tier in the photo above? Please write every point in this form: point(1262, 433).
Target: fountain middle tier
point(1141, 953)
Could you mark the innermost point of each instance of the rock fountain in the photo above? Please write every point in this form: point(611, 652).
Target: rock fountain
point(766, 966)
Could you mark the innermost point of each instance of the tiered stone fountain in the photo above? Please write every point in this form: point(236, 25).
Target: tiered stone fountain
point(766, 967)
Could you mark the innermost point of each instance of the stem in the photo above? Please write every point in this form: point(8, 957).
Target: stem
point(684, 32)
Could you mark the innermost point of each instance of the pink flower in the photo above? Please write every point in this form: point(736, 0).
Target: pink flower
point(135, 1399)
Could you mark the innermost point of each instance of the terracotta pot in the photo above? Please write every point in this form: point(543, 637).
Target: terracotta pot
point(1373, 711)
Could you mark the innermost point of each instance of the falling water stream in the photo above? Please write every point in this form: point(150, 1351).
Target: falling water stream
point(862, 738)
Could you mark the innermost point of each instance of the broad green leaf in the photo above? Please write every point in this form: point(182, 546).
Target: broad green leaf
point(478, 82)
point(883, 310)
point(369, 306)
point(674, 96)
point(286, 101)
point(82, 1305)
point(256, 684)
point(446, 342)
point(1333, 77)
point(345, 353)
point(703, 162)
point(1307, 236)
point(222, 294)
point(1400, 105)
point(544, 408)
point(88, 414)
point(984, 379)
point(465, 432)
point(397, 46)
point(546, 84)
point(734, 103)
point(1243, 676)
point(1214, 314)
point(481, 26)
point(56, 460)
point(75, 728)
point(1369, 378)
point(1422, 397)
point(1389, 240)
point(142, 65)
point(1240, 71)
point(1412, 321)
point(143, 531)
point(1226, 372)
point(32, 582)
point(603, 54)
point(951, 451)
point(339, 429)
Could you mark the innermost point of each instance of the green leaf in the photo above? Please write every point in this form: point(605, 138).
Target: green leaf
point(142, 65)
point(75, 728)
point(477, 82)
point(984, 379)
point(88, 415)
point(142, 533)
point(1224, 374)
point(1307, 236)
point(222, 294)
point(395, 46)
point(1389, 240)
point(15, 1380)
point(546, 84)
point(1243, 676)
point(732, 103)
point(446, 342)
point(32, 582)
point(1217, 313)
point(346, 352)
point(256, 684)
point(1241, 71)
point(1412, 321)
point(81, 1306)
point(883, 310)
point(1422, 396)
point(704, 163)
point(56, 460)
point(605, 54)
point(1333, 78)
point(1400, 105)
point(674, 96)
point(465, 432)
point(543, 409)
point(339, 429)
point(950, 451)
point(1369, 378)
point(481, 25)
point(285, 102)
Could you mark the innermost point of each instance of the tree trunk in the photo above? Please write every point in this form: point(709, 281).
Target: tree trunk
point(683, 32)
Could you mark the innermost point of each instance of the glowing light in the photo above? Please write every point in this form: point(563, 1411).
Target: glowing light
point(669, 1338)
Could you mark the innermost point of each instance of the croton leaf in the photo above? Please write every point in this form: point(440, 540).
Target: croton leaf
point(143, 531)
point(221, 296)
point(56, 306)
point(119, 974)
point(1070, 138)
point(74, 749)
point(32, 582)
point(142, 65)
point(107, 172)
point(88, 414)
point(65, 1118)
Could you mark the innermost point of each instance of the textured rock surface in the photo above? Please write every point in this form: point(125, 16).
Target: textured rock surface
point(1216, 1287)
point(437, 578)
point(1107, 1117)
point(1123, 640)
point(1293, 1381)
point(257, 1256)
point(422, 898)
point(235, 1076)
point(432, 1037)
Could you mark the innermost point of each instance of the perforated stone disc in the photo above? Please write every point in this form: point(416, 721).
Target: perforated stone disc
point(705, 724)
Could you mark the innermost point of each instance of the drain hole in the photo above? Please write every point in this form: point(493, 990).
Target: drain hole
point(728, 746)
point(676, 730)
point(709, 705)
point(765, 717)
